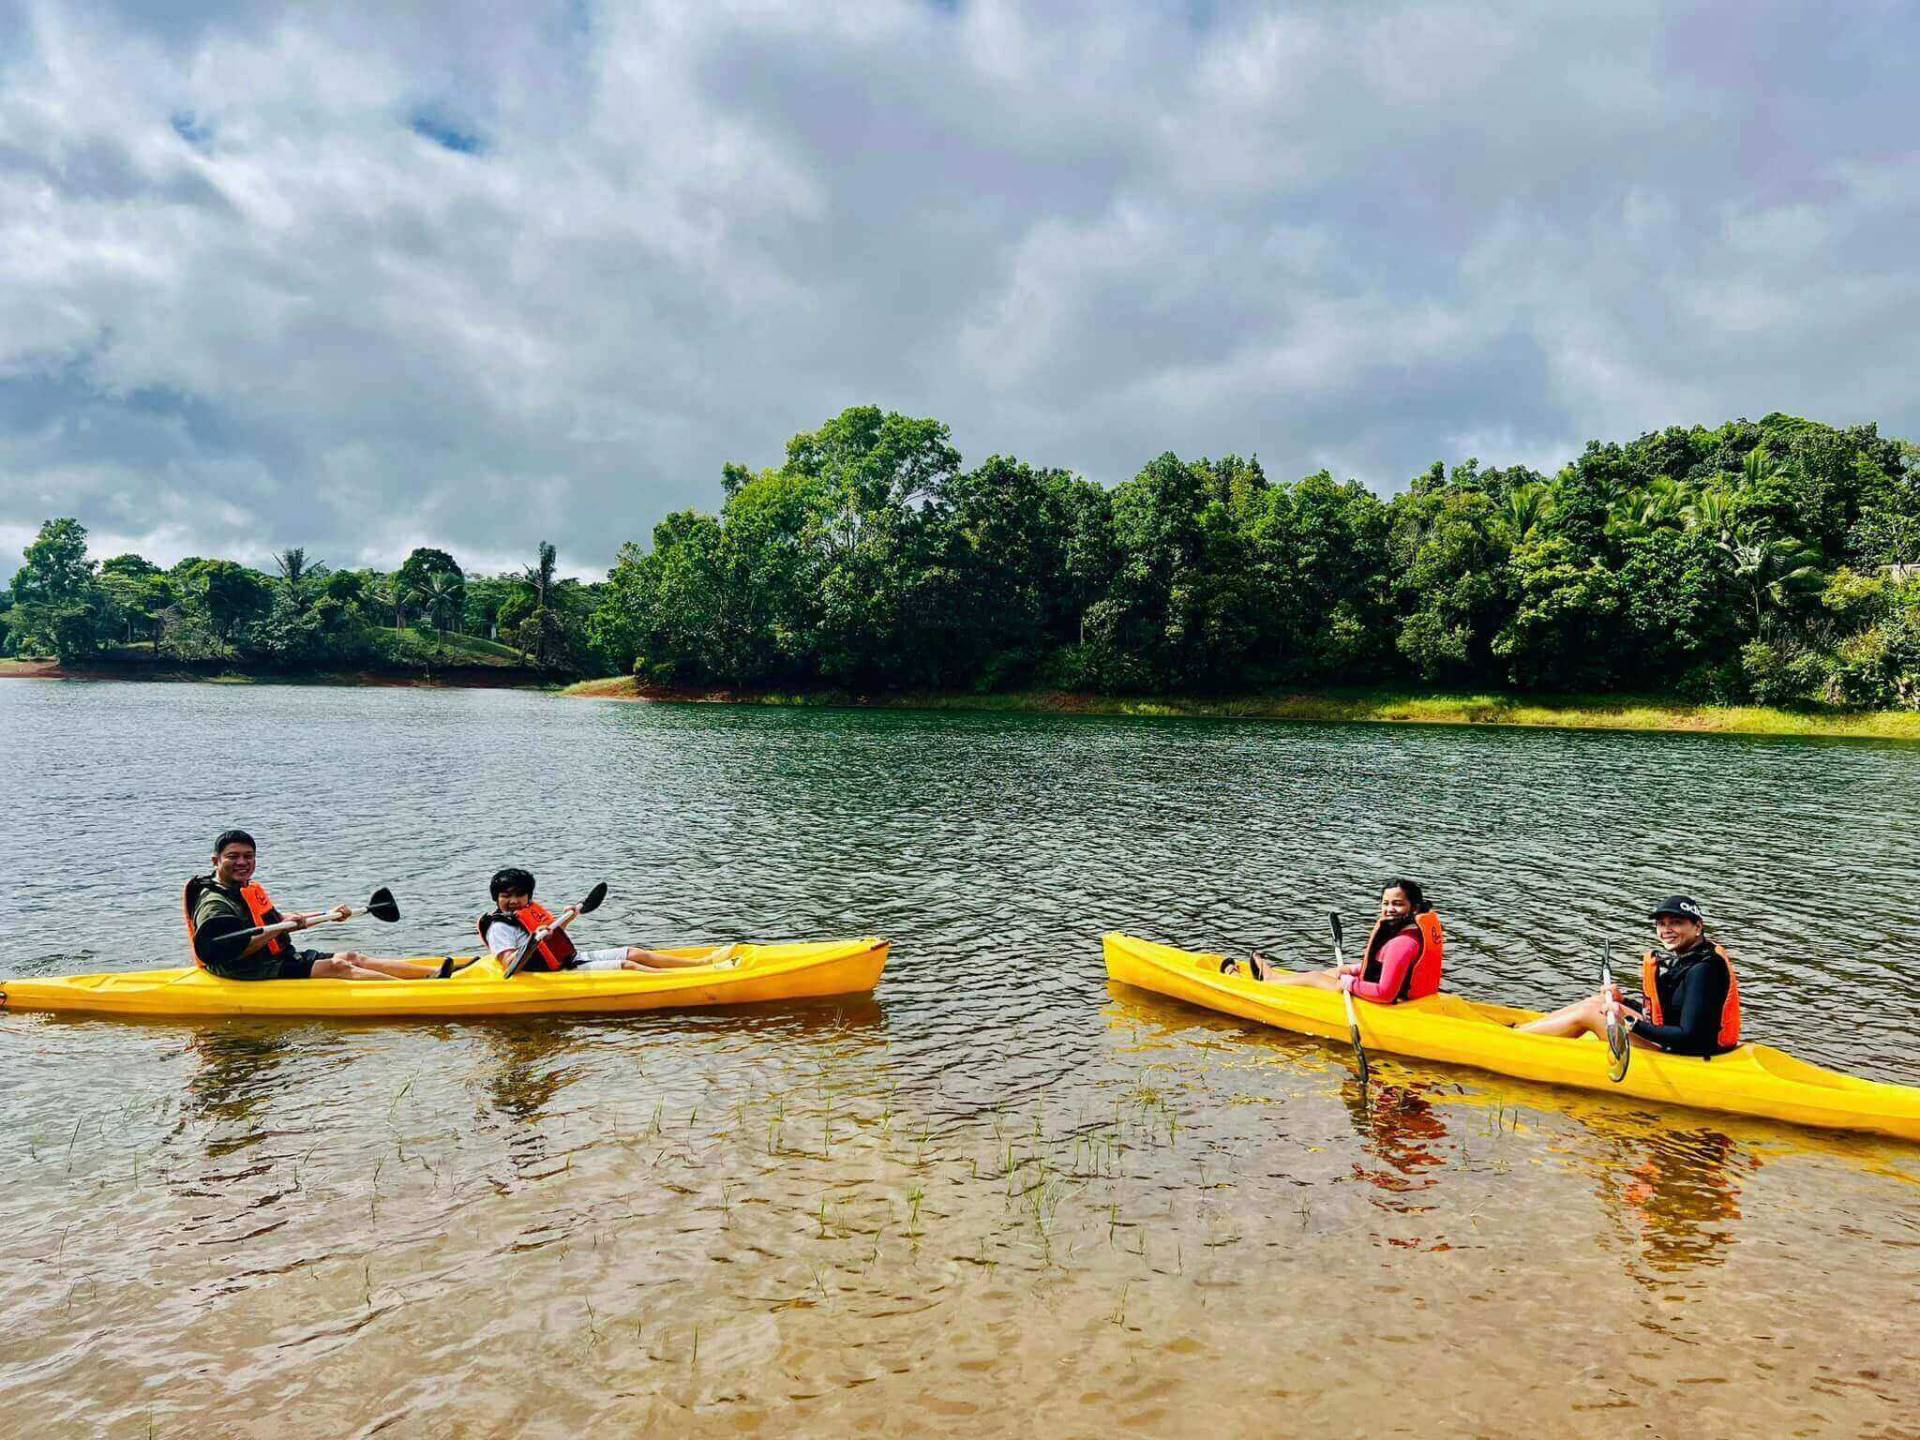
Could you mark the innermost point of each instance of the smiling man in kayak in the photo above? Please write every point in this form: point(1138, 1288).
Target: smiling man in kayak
point(516, 914)
point(1402, 961)
point(1692, 1002)
point(221, 906)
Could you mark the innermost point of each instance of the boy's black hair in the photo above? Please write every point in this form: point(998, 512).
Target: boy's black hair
point(233, 837)
point(1416, 897)
point(513, 878)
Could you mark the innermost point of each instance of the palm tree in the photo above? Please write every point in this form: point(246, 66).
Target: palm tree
point(388, 591)
point(542, 625)
point(1664, 501)
point(1711, 510)
point(440, 595)
point(1757, 468)
point(297, 576)
point(1525, 506)
point(1770, 569)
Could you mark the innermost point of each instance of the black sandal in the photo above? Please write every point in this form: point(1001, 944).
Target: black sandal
point(1256, 966)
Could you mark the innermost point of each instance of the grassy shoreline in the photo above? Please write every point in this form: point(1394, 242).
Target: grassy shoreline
point(1372, 707)
point(1379, 707)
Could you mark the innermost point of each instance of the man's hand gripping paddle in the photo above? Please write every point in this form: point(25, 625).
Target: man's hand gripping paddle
point(380, 905)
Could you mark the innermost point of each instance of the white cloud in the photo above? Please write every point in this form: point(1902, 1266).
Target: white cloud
point(246, 300)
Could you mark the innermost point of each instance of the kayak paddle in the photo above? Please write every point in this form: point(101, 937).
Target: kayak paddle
point(1619, 1046)
point(1346, 994)
point(565, 918)
point(380, 905)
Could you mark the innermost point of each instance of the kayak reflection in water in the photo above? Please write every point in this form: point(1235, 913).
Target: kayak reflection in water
point(1691, 1004)
point(1402, 960)
point(222, 909)
point(515, 913)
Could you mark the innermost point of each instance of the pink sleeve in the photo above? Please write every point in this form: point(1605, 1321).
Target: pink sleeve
point(1396, 959)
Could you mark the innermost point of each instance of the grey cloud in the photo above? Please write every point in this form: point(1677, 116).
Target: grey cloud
point(363, 279)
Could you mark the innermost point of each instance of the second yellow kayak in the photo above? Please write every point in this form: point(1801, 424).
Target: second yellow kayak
point(753, 973)
point(1751, 1080)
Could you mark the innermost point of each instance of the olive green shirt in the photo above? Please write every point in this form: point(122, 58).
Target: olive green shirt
point(219, 914)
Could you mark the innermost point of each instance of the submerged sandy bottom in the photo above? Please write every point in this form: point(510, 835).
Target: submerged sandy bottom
point(751, 1226)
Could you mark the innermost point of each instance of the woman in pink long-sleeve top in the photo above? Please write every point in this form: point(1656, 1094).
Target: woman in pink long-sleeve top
point(1402, 961)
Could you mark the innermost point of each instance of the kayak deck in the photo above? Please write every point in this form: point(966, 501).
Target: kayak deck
point(1751, 1080)
point(757, 973)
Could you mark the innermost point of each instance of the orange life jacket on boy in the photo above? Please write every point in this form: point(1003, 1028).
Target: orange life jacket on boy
point(1729, 1035)
point(258, 906)
point(556, 952)
point(1423, 976)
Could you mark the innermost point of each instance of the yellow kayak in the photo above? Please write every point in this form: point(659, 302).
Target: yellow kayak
point(753, 973)
point(1751, 1080)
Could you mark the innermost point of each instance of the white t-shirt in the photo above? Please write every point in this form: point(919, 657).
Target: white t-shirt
point(504, 938)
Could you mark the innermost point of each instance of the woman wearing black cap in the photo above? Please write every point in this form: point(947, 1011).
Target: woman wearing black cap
point(1692, 1004)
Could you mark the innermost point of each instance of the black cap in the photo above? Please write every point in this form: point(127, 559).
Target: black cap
point(1685, 906)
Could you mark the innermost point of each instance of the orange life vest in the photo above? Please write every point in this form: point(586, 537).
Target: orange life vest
point(555, 952)
point(258, 906)
point(1423, 976)
point(1729, 1035)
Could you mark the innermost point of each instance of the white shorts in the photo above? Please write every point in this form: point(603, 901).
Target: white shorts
point(613, 959)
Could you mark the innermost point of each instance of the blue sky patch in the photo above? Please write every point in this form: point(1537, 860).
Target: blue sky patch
point(431, 125)
point(192, 129)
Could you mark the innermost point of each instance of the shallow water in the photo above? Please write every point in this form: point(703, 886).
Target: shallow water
point(996, 1198)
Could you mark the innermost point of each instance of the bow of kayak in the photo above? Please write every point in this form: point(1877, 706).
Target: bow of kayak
point(757, 973)
point(1751, 1080)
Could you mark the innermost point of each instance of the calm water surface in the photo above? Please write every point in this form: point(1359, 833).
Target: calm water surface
point(996, 1199)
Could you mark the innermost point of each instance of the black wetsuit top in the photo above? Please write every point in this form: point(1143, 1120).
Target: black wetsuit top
point(1693, 985)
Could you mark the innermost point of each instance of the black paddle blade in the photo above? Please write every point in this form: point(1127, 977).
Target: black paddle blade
point(381, 905)
point(594, 897)
point(1333, 922)
point(1619, 1051)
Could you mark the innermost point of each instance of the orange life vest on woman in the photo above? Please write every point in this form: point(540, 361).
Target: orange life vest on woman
point(1423, 976)
point(556, 952)
point(258, 906)
point(1729, 1035)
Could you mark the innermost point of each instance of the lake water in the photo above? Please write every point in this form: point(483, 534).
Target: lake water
point(998, 1198)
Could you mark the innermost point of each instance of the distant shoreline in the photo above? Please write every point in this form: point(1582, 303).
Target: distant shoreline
point(1372, 707)
point(1572, 712)
point(165, 671)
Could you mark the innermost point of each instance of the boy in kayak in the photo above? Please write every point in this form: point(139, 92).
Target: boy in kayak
point(220, 906)
point(504, 929)
point(1692, 1001)
point(1402, 960)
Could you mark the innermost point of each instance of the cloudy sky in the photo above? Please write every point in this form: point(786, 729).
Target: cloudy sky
point(477, 275)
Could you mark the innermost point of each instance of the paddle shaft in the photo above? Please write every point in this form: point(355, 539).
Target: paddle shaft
point(284, 927)
point(1617, 1060)
point(1346, 994)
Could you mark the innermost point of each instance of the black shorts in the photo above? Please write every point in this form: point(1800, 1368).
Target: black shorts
point(299, 965)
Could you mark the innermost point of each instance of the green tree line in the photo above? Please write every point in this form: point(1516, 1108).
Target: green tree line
point(300, 616)
point(1776, 561)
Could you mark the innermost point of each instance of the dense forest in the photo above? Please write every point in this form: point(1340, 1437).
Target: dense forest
point(301, 618)
point(1776, 561)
